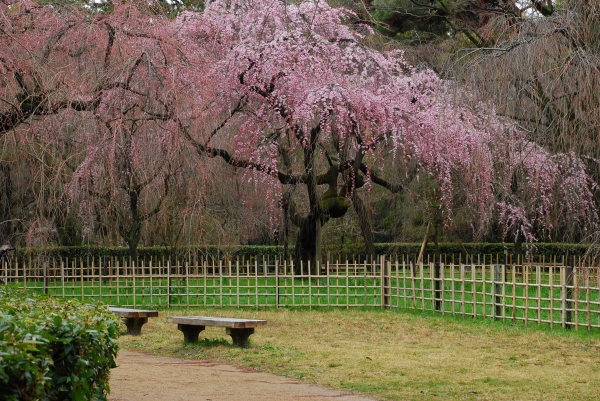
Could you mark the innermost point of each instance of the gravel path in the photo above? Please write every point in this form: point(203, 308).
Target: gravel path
point(157, 378)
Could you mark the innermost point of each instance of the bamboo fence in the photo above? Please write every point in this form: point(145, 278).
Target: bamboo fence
point(557, 291)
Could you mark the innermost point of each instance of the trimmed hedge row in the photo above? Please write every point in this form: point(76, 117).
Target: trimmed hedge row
point(272, 251)
point(54, 349)
point(145, 253)
point(536, 250)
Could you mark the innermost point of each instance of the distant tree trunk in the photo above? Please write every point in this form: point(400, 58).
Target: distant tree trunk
point(308, 244)
point(518, 249)
point(5, 203)
point(365, 224)
point(133, 238)
point(131, 232)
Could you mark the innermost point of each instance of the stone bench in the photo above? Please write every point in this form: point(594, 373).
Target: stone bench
point(134, 319)
point(239, 329)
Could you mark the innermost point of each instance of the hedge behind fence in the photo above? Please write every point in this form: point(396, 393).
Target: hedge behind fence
point(350, 251)
point(53, 349)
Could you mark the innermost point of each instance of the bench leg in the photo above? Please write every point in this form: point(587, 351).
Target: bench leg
point(240, 336)
point(190, 332)
point(134, 325)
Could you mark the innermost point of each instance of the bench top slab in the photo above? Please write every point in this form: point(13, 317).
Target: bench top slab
point(217, 321)
point(126, 312)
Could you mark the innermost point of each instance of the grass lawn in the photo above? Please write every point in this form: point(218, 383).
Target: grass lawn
point(390, 355)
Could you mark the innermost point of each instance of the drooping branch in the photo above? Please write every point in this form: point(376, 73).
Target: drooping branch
point(227, 157)
point(18, 115)
point(377, 179)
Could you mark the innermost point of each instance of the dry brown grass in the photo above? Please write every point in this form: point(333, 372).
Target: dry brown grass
point(397, 356)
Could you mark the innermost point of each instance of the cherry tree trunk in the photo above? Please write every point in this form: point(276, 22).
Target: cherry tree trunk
point(5, 203)
point(133, 239)
point(308, 245)
point(365, 224)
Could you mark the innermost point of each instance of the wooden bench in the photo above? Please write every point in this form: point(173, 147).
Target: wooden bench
point(238, 329)
point(134, 319)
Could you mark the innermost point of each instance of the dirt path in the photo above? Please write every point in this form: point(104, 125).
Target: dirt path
point(156, 378)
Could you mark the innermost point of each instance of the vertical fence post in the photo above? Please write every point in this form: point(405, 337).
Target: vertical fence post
point(186, 267)
point(256, 281)
point(385, 282)
point(437, 279)
point(81, 276)
point(413, 265)
point(46, 267)
point(168, 283)
point(569, 293)
point(24, 274)
point(500, 299)
point(133, 264)
point(62, 277)
point(496, 290)
point(276, 284)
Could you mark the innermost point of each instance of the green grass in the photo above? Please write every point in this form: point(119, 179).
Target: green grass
point(389, 355)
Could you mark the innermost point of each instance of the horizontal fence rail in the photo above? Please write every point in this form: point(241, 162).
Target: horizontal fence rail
point(551, 292)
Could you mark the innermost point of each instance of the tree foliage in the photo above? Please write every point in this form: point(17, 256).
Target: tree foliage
point(307, 102)
point(101, 87)
point(543, 74)
point(293, 94)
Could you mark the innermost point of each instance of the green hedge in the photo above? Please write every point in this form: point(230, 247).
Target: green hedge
point(154, 252)
point(54, 349)
point(271, 251)
point(536, 250)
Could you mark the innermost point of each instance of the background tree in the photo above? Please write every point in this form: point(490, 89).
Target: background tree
point(431, 30)
point(305, 103)
point(543, 74)
point(296, 97)
point(110, 78)
point(31, 90)
point(514, 53)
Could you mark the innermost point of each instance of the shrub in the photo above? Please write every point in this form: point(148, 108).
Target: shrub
point(54, 349)
point(251, 253)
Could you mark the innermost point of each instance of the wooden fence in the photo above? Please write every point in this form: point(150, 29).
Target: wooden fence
point(552, 292)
